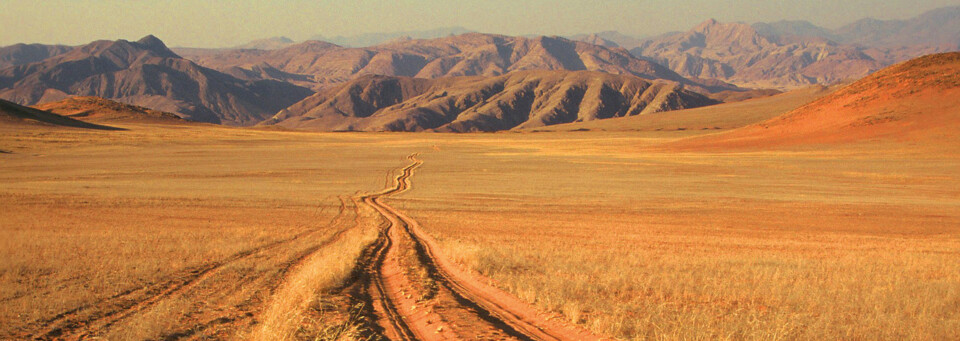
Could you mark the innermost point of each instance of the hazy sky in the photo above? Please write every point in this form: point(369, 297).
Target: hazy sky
point(216, 23)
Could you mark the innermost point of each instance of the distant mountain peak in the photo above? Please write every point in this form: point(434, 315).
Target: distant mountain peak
point(154, 44)
point(707, 24)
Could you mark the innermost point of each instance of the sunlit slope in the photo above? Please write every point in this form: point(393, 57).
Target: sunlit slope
point(704, 119)
point(918, 100)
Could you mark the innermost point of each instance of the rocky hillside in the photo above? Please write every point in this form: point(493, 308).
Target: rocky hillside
point(148, 74)
point(461, 104)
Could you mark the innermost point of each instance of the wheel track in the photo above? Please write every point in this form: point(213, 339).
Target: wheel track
point(498, 308)
point(70, 322)
point(396, 325)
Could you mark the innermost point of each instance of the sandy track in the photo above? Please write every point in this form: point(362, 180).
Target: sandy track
point(89, 320)
point(447, 303)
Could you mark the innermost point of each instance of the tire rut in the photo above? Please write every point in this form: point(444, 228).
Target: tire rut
point(462, 294)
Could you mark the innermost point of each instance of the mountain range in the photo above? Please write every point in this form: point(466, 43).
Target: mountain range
point(370, 39)
point(146, 73)
point(318, 65)
point(451, 79)
point(523, 99)
point(790, 54)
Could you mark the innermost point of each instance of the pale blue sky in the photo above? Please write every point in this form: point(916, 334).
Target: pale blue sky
point(218, 23)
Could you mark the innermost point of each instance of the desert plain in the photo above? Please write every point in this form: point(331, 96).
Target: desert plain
point(615, 229)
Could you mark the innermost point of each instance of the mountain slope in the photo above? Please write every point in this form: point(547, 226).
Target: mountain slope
point(24, 54)
point(461, 104)
point(320, 65)
point(936, 28)
point(737, 53)
point(148, 74)
point(918, 100)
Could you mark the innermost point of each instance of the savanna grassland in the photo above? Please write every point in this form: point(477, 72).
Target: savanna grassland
point(199, 231)
point(850, 243)
point(173, 230)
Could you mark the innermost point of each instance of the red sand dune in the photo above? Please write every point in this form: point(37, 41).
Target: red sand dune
point(918, 100)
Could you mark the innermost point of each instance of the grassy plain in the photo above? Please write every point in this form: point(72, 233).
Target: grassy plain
point(835, 244)
point(111, 221)
point(848, 242)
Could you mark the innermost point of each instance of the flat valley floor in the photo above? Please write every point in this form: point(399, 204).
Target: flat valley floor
point(197, 231)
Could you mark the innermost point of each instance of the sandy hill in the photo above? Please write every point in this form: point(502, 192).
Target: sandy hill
point(15, 114)
point(516, 100)
point(918, 100)
point(147, 73)
point(96, 109)
point(319, 65)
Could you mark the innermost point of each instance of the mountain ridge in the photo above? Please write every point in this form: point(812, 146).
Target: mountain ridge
point(517, 100)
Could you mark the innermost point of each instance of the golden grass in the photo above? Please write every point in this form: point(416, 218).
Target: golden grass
point(834, 244)
point(287, 316)
point(853, 242)
point(90, 215)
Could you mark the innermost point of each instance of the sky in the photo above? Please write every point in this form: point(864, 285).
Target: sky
point(220, 23)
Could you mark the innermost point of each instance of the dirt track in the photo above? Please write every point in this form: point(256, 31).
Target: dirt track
point(420, 295)
point(410, 291)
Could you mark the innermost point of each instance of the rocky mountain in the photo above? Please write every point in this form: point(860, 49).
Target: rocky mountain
point(789, 54)
point(319, 65)
point(517, 100)
point(370, 39)
point(737, 53)
point(148, 74)
point(793, 28)
point(598, 40)
point(608, 37)
point(24, 54)
point(936, 28)
point(913, 101)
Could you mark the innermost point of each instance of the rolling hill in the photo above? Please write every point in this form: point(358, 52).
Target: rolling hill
point(101, 110)
point(12, 114)
point(148, 74)
point(917, 100)
point(516, 100)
